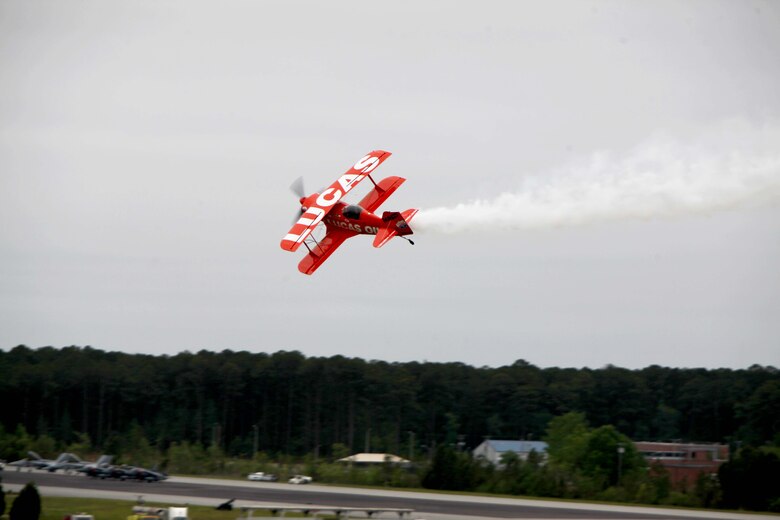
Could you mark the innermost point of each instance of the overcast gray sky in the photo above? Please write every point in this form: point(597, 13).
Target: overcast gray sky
point(626, 156)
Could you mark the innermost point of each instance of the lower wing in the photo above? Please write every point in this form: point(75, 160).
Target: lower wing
point(321, 251)
point(380, 193)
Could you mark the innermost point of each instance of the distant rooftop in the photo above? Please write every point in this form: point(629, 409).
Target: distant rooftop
point(502, 446)
point(373, 458)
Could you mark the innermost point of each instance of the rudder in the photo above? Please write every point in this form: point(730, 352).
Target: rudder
point(396, 223)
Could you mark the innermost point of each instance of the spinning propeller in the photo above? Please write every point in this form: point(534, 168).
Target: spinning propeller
point(297, 188)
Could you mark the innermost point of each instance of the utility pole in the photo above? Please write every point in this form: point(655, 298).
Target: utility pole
point(620, 451)
point(254, 442)
point(411, 445)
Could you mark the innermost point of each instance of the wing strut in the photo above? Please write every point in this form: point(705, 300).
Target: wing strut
point(311, 236)
point(329, 243)
point(374, 183)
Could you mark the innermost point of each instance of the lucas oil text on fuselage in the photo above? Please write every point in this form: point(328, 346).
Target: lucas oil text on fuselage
point(366, 230)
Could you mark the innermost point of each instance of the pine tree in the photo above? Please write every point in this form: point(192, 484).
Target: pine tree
point(27, 505)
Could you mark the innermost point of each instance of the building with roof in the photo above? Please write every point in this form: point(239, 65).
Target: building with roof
point(373, 458)
point(492, 450)
point(684, 462)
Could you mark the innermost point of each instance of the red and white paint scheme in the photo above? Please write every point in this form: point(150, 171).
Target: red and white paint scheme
point(342, 220)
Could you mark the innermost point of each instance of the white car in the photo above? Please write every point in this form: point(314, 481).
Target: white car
point(265, 477)
point(300, 479)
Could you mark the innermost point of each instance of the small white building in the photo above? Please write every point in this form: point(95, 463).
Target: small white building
point(491, 450)
point(373, 458)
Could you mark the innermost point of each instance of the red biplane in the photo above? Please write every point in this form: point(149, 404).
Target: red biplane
point(342, 220)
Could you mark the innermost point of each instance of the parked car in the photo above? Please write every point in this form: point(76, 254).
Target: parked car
point(265, 477)
point(300, 479)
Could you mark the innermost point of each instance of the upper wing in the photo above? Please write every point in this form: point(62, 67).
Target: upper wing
point(321, 251)
point(380, 193)
point(329, 197)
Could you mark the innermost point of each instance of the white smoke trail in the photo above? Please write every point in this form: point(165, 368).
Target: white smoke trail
point(733, 165)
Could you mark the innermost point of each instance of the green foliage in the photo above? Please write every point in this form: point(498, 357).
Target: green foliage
point(450, 470)
point(14, 446)
point(658, 486)
point(666, 423)
point(216, 459)
point(45, 445)
point(707, 491)
point(762, 413)
point(81, 445)
point(750, 480)
point(567, 439)
point(2, 501)
point(194, 459)
point(136, 449)
point(603, 461)
point(516, 476)
point(26, 506)
point(373, 475)
point(600, 462)
point(339, 451)
point(614, 494)
point(187, 458)
point(679, 499)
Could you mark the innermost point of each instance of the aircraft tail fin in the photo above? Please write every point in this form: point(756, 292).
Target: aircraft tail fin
point(396, 224)
point(104, 460)
point(62, 457)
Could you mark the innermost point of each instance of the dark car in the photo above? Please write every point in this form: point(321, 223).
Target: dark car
point(126, 473)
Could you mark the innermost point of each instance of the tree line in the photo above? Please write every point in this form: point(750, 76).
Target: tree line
point(285, 403)
point(234, 412)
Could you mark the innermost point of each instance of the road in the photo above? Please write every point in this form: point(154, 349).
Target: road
point(430, 506)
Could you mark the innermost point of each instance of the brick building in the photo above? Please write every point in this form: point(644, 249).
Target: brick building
point(684, 462)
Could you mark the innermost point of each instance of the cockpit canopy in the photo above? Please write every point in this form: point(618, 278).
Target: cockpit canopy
point(352, 211)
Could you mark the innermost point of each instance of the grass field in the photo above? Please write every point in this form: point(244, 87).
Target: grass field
point(57, 508)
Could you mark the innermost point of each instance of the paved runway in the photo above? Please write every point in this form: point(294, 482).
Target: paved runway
point(430, 506)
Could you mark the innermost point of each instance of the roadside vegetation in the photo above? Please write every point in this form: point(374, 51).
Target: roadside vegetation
point(233, 413)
